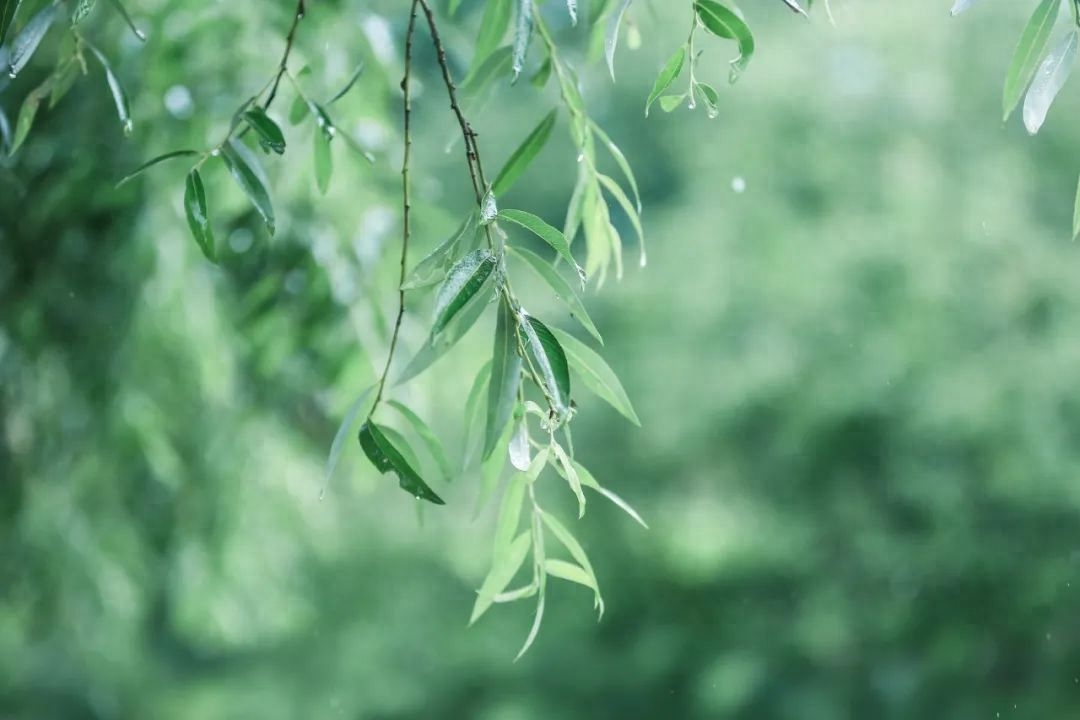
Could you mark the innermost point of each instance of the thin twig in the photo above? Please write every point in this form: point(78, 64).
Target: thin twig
point(405, 196)
point(301, 9)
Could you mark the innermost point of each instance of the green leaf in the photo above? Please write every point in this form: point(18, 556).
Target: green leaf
point(568, 571)
point(493, 27)
point(127, 19)
point(535, 629)
point(587, 480)
point(491, 469)
point(523, 30)
point(505, 376)
point(154, 161)
point(599, 244)
point(611, 36)
point(24, 44)
point(524, 155)
point(343, 432)
point(501, 574)
point(596, 375)
point(545, 232)
point(324, 161)
point(667, 75)
point(495, 66)
point(298, 110)
point(5, 132)
point(489, 210)
point(431, 441)
point(477, 390)
point(620, 160)
point(270, 135)
point(562, 289)
point(542, 74)
point(195, 209)
point(1028, 52)
point(27, 113)
point(67, 72)
point(548, 359)
point(386, 458)
point(571, 8)
point(1049, 79)
point(960, 6)
point(430, 270)
point(438, 344)
point(82, 9)
point(349, 85)
point(8, 8)
point(463, 281)
point(248, 174)
point(1076, 212)
point(710, 97)
point(616, 192)
point(671, 103)
point(571, 476)
point(723, 22)
point(120, 99)
point(568, 541)
point(399, 441)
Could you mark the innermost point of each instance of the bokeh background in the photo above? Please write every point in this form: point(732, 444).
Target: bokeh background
point(855, 354)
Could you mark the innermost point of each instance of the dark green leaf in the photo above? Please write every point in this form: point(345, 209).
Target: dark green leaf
point(127, 19)
point(463, 281)
point(195, 210)
point(724, 22)
point(248, 174)
point(1028, 53)
point(562, 289)
point(524, 155)
point(549, 361)
point(431, 441)
point(493, 27)
point(505, 376)
point(386, 458)
point(667, 75)
point(29, 38)
point(545, 232)
point(597, 375)
point(523, 31)
point(437, 345)
point(324, 161)
point(270, 135)
point(154, 161)
point(7, 16)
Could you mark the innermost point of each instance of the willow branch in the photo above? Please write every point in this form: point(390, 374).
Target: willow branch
point(406, 206)
point(298, 15)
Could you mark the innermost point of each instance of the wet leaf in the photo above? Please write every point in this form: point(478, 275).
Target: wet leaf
point(248, 174)
point(463, 281)
point(270, 135)
point(386, 458)
point(548, 359)
point(1028, 52)
point(505, 376)
point(1048, 81)
point(523, 30)
point(724, 22)
point(430, 270)
point(545, 232)
point(667, 75)
point(120, 99)
point(195, 210)
point(26, 42)
point(561, 288)
point(431, 441)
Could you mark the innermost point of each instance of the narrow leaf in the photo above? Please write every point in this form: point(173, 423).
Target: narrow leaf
point(120, 99)
point(562, 289)
point(493, 27)
point(621, 161)
point(524, 155)
point(597, 375)
point(545, 232)
point(587, 480)
point(611, 36)
point(549, 360)
point(248, 174)
point(349, 85)
point(616, 192)
point(535, 629)
point(386, 458)
point(568, 571)
point(568, 541)
point(437, 345)
point(343, 432)
point(127, 19)
point(522, 35)
point(1076, 212)
point(154, 161)
point(270, 135)
point(463, 281)
point(1028, 52)
point(667, 75)
point(27, 113)
point(497, 64)
point(324, 161)
point(505, 375)
point(431, 441)
point(501, 574)
point(429, 270)
point(571, 476)
point(1048, 81)
point(724, 22)
point(960, 6)
point(7, 16)
point(29, 38)
point(195, 210)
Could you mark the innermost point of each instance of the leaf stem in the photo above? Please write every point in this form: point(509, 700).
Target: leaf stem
point(298, 15)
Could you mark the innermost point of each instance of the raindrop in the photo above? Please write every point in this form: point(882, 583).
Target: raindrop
point(738, 184)
point(580, 157)
point(178, 102)
point(642, 261)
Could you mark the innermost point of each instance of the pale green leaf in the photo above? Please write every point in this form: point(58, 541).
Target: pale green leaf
point(1028, 52)
point(597, 375)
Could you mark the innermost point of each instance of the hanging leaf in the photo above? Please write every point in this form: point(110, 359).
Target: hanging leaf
point(507, 554)
point(324, 161)
point(611, 36)
point(519, 449)
point(667, 75)
point(497, 65)
point(489, 210)
point(545, 232)
point(571, 8)
point(620, 160)
point(477, 391)
point(1028, 53)
point(429, 271)
point(1049, 79)
point(127, 19)
point(596, 375)
point(522, 35)
point(724, 22)
point(154, 161)
point(5, 132)
point(535, 629)
point(386, 458)
point(505, 376)
point(598, 240)
point(616, 192)
point(587, 480)
point(349, 85)
point(195, 210)
point(562, 289)
point(571, 476)
point(463, 281)
point(960, 6)
point(24, 44)
point(120, 99)
point(671, 103)
point(548, 359)
point(27, 113)
point(248, 174)
point(491, 469)
point(7, 16)
point(564, 536)
point(343, 432)
point(493, 26)
point(82, 9)
point(270, 135)
point(542, 74)
point(524, 155)
point(568, 571)
point(431, 441)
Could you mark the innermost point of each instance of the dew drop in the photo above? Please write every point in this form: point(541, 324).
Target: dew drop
point(738, 184)
point(580, 157)
point(643, 261)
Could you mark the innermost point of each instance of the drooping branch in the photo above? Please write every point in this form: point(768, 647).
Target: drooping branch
point(298, 15)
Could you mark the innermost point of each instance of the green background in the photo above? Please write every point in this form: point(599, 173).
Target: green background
point(857, 380)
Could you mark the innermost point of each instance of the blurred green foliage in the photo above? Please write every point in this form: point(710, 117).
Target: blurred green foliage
point(853, 352)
